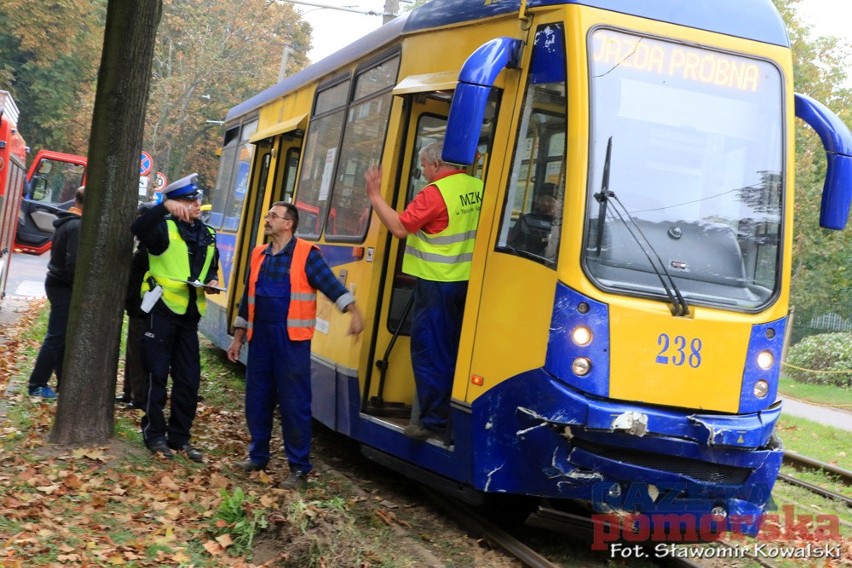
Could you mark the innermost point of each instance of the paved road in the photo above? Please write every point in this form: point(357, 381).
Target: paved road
point(820, 414)
point(26, 280)
point(26, 275)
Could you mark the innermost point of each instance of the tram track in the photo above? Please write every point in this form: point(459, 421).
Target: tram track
point(803, 463)
point(581, 529)
point(477, 524)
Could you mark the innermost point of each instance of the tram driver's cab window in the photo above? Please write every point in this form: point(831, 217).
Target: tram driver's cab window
point(532, 214)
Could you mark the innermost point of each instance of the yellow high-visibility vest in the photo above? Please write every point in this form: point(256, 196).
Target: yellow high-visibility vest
point(172, 266)
point(446, 256)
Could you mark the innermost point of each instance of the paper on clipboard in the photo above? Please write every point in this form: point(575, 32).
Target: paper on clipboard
point(199, 284)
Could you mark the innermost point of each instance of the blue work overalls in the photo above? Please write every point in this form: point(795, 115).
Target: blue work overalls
point(279, 371)
point(436, 320)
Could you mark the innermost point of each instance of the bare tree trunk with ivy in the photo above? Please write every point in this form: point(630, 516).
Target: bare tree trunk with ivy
point(85, 413)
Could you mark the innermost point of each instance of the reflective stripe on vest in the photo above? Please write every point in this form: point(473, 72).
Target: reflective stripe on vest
point(171, 266)
point(446, 256)
point(302, 313)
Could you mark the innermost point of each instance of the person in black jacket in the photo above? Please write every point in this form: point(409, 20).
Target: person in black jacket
point(135, 377)
point(57, 286)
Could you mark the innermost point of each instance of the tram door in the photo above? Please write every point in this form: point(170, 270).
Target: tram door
point(392, 391)
point(275, 163)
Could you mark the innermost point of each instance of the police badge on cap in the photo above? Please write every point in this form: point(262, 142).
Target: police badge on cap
point(184, 188)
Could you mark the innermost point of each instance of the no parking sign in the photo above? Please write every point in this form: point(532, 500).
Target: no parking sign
point(146, 164)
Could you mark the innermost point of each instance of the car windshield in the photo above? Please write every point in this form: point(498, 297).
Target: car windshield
point(692, 182)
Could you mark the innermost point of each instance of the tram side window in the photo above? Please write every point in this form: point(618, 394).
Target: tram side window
point(291, 163)
point(363, 138)
point(233, 179)
point(532, 214)
point(320, 155)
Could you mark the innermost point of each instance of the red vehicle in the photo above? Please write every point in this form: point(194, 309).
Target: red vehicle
point(51, 182)
point(13, 153)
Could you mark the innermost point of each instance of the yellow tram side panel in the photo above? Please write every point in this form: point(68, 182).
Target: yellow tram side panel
point(510, 299)
point(447, 48)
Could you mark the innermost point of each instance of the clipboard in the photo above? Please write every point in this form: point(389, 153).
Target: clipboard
point(199, 284)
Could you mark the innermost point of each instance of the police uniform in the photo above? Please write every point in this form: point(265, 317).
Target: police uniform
point(177, 252)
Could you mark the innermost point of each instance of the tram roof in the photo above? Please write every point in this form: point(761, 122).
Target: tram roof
point(750, 19)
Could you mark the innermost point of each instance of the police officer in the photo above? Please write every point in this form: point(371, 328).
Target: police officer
point(183, 265)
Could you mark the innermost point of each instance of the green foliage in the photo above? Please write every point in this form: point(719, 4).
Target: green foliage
point(210, 55)
point(242, 520)
point(824, 359)
point(820, 281)
point(302, 514)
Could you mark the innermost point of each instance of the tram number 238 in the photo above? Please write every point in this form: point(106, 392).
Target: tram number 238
point(679, 351)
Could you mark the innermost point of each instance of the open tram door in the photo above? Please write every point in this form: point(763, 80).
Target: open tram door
point(274, 164)
point(390, 390)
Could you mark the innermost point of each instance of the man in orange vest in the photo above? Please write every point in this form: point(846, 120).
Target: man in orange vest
point(277, 316)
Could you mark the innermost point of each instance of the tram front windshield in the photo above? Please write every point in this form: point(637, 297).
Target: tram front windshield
point(685, 178)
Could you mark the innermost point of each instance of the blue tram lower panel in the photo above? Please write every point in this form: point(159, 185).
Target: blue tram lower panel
point(534, 435)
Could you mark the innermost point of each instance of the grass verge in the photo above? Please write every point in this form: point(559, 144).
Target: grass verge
point(824, 395)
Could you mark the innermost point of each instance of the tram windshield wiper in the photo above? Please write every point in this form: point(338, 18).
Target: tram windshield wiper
point(604, 197)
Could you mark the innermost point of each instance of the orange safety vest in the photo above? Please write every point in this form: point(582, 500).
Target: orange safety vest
point(302, 314)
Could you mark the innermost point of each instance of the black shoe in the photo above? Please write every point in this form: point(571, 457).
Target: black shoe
point(122, 399)
point(191, 452)
point(162, 448)
point(296, 480)
point(416, 432)
point(249, 466)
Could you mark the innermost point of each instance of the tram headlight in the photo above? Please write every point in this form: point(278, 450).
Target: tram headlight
point(581, 336)
point(765, 360)
point(761, 389)
point(581, 366)
point(719, 513)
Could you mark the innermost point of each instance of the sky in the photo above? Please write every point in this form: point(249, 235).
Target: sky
point(334, 29)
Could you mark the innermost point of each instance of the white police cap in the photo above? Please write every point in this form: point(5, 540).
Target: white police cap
point(184, 187)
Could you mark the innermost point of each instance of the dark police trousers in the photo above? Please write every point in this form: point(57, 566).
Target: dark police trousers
point(169, 346)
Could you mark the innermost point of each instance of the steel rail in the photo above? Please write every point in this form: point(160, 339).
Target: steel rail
point(799, 461)
point(816, 489)
point(479, 525)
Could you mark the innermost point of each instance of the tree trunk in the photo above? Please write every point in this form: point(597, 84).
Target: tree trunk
point(85, 412)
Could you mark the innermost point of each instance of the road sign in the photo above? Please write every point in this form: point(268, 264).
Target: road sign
point(160, 181)
point(146, 164)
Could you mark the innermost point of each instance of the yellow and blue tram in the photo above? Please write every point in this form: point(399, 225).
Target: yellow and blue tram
point(628, 300)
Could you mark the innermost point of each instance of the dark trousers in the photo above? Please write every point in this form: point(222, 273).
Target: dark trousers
point(135, 377)
point(436, 320)
point(52, 350)
point(279, 372)
point(167, 346)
